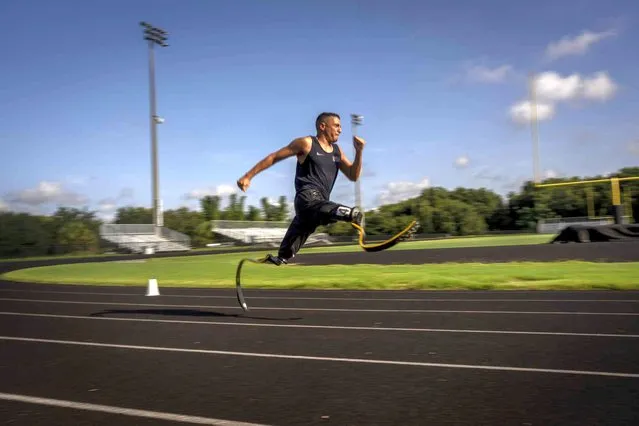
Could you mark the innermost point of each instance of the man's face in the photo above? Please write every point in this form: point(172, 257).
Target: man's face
point(332, 129)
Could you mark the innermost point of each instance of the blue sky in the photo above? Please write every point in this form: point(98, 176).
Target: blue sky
point(435, 81)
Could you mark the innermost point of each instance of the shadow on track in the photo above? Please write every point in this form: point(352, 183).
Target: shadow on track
point(186, 313)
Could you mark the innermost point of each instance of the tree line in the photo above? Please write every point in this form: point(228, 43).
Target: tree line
point(71, 230)
point(465, 211)
point(460, 211)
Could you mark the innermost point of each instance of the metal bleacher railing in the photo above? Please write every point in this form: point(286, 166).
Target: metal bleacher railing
point(234, 224)
point(141, 238)
point(259, 232)
point(556, 225)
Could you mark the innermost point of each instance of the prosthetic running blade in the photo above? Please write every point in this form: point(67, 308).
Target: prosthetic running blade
point(403, 235)
point(238, 286)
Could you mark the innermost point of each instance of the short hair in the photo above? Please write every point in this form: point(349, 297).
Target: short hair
point(324, 115)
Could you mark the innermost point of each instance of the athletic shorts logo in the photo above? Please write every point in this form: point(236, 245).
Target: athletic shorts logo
point(343, 211)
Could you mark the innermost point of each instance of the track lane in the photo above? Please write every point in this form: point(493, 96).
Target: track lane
point(296, 392)
point(263, 390)
point(527, 351)
point(30, 410)
point(28, 414)
point(264, 324)
point(631, 296)
point(305, 303)
point(156, 308)
point(231, 387)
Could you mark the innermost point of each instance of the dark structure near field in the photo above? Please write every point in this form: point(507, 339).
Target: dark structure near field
point(598, 233)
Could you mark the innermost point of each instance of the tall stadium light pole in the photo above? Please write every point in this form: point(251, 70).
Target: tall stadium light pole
point(356, 121)
point(154, 35)
point(534, 127)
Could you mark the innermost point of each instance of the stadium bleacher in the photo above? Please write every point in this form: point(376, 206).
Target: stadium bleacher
point(260, 232)
point(141, 238)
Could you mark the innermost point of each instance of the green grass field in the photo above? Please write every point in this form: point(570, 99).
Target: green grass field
point(219, 271)
point(484, 241)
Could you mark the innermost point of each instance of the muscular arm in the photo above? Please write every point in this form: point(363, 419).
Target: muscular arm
point(351, 170)
point(298, 147)
point(354, 169)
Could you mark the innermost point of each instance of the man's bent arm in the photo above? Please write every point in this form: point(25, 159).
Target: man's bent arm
point(356, 167)
point(294, 148)
point(352, 170)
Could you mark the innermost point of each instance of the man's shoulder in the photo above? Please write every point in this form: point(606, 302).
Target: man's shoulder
point(307, 139)
point(303, 142)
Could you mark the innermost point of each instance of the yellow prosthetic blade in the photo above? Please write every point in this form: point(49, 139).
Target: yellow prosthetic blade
point(404, 234)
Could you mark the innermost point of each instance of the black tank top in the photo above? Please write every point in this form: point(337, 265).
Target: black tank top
point(319, 170)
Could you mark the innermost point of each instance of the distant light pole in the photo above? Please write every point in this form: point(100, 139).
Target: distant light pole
point(356, 120)
point(154, 35)
point(534, 127)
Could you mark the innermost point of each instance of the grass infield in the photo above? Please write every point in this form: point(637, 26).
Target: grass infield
point(215, 271)
point(457, 242)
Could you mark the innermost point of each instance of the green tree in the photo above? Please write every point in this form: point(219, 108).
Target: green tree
point(134, 215)
point(183, 220)
point(22, 234)
point(253, 214)
point(210, 206)
point(203, 235)
point(76, 237)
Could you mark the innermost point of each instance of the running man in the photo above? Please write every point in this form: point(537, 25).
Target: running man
point(319, 159)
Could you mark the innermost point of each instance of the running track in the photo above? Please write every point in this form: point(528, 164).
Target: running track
point(392, 358)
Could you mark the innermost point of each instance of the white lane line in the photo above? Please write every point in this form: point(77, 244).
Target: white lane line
point(324, 327)
point(325, 359)
point(159, 415)
point(365, 299)
point(287, 308)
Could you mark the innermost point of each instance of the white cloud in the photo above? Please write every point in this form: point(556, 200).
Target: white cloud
point(577, 45)
point(551, 86)
point(47, 193)
point(395, 192)
point(462, 161)
point(106, 208)
point(522, 112)
point(600, 87)
point(633, 147)
point(484, 74)
point(220, 190)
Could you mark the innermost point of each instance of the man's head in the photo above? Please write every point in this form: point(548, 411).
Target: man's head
point(328, 125)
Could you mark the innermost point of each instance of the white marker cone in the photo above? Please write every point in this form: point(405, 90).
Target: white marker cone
point(152, 288)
